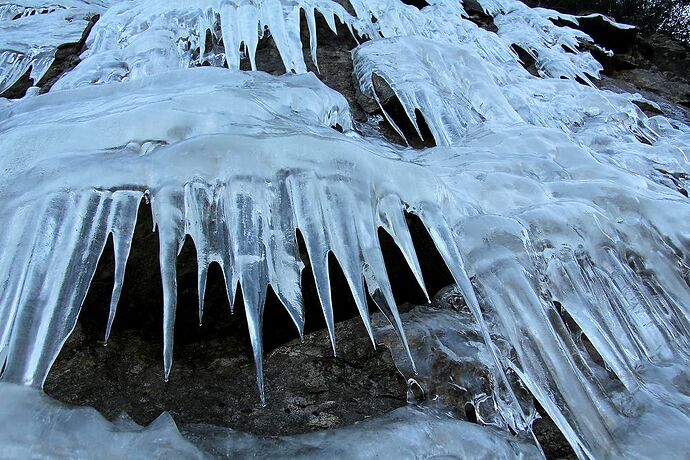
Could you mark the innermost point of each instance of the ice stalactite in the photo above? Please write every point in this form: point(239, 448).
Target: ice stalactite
point(139, 38)
point(458, 92)
point(564, 226)
point(217, 176)
point(465, 96)
point(135, 39)
point(554, 48)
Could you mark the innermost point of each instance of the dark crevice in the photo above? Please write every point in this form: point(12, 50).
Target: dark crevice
point(478, 16)
point(333, 54)
point(419, 4)
point(578, 335)
point(526, 60)
point(470, 413)
point(567, 49)
point(678, 180)
point(347, 5)
point(19, 87)
point(434, 269)
point(582, 81)
point(648, 109)
point(550, 438)
point(267, 57)
point(405, 287)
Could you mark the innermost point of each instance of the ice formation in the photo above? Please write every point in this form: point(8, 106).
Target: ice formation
point(31, 32)
point(138, 38)
point(549, 199)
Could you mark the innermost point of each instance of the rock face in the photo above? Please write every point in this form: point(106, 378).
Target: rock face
point(214, 381)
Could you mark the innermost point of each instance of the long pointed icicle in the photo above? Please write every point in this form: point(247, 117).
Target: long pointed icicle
point(168, 218)
point(393, 220)
point(122, 227)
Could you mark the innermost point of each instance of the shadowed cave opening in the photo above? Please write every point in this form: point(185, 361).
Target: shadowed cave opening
point(213, 378)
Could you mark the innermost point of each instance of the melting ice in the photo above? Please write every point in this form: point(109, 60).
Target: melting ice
point(544, 198)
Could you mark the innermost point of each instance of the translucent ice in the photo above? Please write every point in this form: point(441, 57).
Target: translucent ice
point(138, 38)
point(34, 426)
point(554, 205)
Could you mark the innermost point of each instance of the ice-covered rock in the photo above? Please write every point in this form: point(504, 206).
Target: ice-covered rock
point(545, 198)
point(31, 32)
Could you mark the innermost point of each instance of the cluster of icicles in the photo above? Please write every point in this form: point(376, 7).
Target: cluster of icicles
point(544, 196)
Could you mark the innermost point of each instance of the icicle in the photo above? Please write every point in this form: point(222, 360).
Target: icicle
point(167, 206)
point(308, 202)
point(122, 226)
point(393, 221)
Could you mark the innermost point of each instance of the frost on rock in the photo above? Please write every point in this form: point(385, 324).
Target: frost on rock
point(31, 32)
point(546, 199)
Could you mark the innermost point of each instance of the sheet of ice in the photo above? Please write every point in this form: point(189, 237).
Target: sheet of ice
point(33, 425)
point(31, 32)
point(408, 432)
